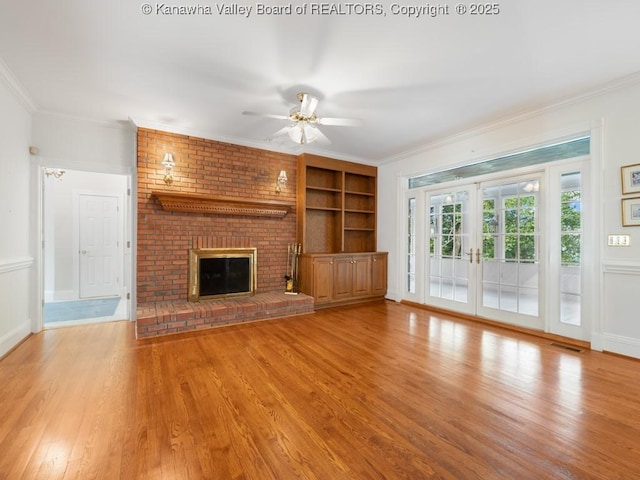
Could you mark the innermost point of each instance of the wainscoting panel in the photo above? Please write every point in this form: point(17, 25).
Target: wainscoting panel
point(621, 321)
point(15, 324)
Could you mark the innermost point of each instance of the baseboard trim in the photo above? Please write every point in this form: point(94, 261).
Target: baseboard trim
point(619, 345)
point(14, 338)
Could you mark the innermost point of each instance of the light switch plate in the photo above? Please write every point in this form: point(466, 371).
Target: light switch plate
point(619, 240)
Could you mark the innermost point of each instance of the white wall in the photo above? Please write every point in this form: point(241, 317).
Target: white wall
point(613, 116)
point(84, 145)
point(16, 262)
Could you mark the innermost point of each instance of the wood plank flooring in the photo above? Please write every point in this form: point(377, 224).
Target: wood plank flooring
point(381, 391)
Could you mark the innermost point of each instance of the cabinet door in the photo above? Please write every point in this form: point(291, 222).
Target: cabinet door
point(379, 275)
point(342, 278)
point(361, 276)
point(323, 279)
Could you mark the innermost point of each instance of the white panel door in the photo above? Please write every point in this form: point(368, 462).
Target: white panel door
point(99, 246)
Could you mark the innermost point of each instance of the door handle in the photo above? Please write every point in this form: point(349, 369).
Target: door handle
point(83, 252)
point(478, 254)
point(470, 255)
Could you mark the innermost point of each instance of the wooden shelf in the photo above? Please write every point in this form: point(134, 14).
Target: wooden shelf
point(212, 205)
point(366, 194)
point(324, 189)
point(336, 205)
point(358, 211)
point(328, 209)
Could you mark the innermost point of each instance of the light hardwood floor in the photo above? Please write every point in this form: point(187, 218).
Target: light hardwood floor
point(382, 391)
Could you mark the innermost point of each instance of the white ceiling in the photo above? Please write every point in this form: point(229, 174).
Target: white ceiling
point(410, 80)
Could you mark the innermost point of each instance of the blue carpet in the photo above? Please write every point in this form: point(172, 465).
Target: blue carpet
point(80, 309)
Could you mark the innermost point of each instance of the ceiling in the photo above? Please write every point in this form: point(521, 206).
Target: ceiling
point(409, 80)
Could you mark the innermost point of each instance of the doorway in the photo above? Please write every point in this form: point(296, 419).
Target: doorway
point(509, 249)
point(484, 250)
point(84, 251)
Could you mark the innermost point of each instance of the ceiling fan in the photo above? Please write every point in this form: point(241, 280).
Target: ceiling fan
point(304, 127)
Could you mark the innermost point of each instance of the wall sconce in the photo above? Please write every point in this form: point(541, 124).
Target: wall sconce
point(168, 164)
point(282, 181)
point(54, 172)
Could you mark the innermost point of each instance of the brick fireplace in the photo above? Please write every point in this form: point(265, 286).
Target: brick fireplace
point(206, 169)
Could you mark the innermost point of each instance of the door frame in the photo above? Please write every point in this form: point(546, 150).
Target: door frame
point(38, 167)
point(591, 272)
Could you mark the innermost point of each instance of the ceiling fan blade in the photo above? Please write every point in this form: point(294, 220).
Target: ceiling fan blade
point(341, 122)
point(322, 138)
point(267, 115)
point(282, 131)
point(308, 105)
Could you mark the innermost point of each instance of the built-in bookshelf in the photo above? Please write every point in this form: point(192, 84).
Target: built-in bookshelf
point(337, 205)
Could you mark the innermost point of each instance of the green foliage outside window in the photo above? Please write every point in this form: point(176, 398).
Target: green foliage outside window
point(571, 227)
point(489, 226)
point(451, 230)
point(519, 228)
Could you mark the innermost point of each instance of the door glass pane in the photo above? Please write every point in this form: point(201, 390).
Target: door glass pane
point(448, 242)
point(411, 247)
point(510, 239)
point(570, 248)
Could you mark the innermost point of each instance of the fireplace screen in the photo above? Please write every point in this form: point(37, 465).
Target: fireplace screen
point(221, 272)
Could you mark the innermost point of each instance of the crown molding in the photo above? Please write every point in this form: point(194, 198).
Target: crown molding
point(520, 115)
point(7, 76)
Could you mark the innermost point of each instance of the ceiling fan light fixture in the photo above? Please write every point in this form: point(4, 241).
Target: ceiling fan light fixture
point(303, 133)
point(295, 134)
point(303, 127)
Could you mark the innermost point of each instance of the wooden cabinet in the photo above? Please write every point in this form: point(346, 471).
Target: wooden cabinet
point(334, 279)
point(379, 274)
point(337, 229)
point(351, 276)
point(336, 205)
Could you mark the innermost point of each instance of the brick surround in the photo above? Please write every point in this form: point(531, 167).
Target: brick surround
point(206, 167)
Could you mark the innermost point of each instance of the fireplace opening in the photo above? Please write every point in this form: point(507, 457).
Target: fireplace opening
point(221, 272)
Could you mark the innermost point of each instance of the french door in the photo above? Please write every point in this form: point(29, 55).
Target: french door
point(511, 250)
point(451, 245)
point(484, 250)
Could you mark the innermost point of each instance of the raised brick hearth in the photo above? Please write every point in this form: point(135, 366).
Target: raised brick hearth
point(162, 318)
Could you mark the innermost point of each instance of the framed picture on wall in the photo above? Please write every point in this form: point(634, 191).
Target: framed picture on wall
point(630, 179)
point(631, 212)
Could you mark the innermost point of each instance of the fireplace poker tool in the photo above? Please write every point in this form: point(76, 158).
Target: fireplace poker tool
point(297, 249)
point(293, 250)
point(288, 278)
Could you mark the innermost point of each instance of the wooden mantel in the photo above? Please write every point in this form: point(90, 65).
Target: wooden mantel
point(206, 204)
